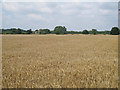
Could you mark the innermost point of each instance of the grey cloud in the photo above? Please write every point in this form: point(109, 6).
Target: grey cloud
point(0, 15)
point(75, 16)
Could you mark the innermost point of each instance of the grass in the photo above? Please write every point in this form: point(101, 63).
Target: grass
point(60, 61)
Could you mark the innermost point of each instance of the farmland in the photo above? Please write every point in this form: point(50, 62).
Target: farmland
point(59, 61)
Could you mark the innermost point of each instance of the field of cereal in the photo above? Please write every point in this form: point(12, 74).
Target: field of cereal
point(59, 61)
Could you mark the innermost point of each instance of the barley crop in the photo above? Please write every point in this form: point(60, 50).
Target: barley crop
point(59, 61)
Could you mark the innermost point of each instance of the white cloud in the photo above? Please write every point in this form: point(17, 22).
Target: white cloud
point(34, 16)
point(75, 15)
point(60, 0)
point(21, 7)
point(46, 9)
point(11, 7)
point(0, 15)
point(105, 12)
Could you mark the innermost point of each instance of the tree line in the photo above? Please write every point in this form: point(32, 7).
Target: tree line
point(60, 30)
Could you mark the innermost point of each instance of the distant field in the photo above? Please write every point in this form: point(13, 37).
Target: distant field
point(55, 61)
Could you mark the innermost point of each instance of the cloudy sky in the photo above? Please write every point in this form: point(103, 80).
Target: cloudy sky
point(73, 15)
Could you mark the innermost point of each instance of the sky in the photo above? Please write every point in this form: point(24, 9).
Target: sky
point(0, 15)
point(119, 15)
point(76, 16)
point(59, 0)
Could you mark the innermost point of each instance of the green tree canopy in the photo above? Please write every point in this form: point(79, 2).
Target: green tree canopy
point(44, 31)
point(115, 31)
point(85, 32)
point(94, 31)
point(29, 31)
point(12, 31)
point(60, 30)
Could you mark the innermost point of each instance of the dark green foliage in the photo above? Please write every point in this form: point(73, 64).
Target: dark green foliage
point(106, 32)
point(29, 31)
point(115, 31)
point(73, 32)
point(85, 32)
point(36, 30)
point(0, 31)
point(16, 31)
point(25, 32)
point(44, 31)
point(100, 32)
point(94, 31)
point(12, 31)
point(51, 32)
point(103, 32)
point(60, 30)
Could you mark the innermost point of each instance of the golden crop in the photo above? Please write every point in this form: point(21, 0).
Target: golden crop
point(60, 61)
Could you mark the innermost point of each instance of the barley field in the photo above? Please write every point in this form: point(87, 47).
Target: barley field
point(59, 61)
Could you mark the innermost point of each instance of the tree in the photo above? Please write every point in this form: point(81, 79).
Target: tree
point(115, 31)
point(19, 31)
point(85, 32)
point(0, 31)
point(44, 31)
point(106, 32)
point(94, 31)
point(29, 31)
point(14, 31)
point(60, 30)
